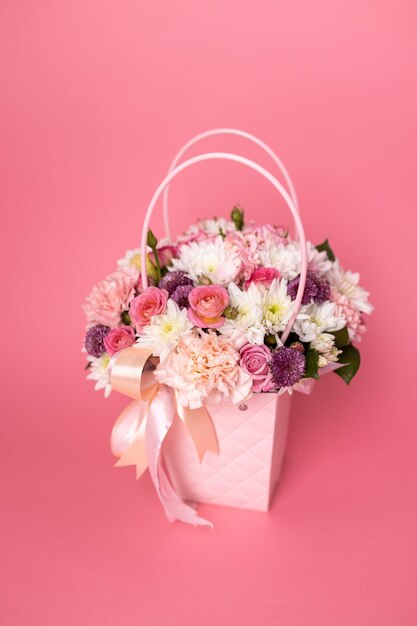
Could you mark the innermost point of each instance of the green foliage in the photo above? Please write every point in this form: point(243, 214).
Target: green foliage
point(341, 337)
point(238, 217)
point(312, 364)
point(351, 357)
point(325, 247)
point(126, 318)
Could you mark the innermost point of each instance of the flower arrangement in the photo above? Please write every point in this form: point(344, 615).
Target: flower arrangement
point(217, 303)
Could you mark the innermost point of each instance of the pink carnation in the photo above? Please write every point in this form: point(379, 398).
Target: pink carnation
point(263, 275)
point(247, 247)
point(207, 303)
point(268, 235)
point(110, 298)
point(204, 369)
point(255, 361)
point(353, 317)
point(119, 339)
point(152, 301)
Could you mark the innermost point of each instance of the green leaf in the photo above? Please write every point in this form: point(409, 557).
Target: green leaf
point(237, 217)
point(312, 364)
point(271, 341)
point(126, 318)
point(325, 247)
point(341, 337)
point(350, 355)
point(87, 367)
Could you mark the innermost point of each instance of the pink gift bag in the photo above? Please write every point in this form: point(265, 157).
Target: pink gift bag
point(245, 471)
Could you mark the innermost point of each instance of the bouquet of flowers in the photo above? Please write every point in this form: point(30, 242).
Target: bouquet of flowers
point(210, 335)
point(216, 310)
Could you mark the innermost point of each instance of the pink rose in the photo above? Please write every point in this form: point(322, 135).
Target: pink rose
point(152, 301)
point(264, 275)
point(207, 304)
point(255, 361)
point(118, 339)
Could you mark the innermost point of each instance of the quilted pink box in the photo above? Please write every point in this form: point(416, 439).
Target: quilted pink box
point(244, 474)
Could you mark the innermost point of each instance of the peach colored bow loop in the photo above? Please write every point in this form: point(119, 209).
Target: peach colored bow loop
point(140, 430)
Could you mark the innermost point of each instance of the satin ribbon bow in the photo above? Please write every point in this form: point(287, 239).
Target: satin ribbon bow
point(139, 432)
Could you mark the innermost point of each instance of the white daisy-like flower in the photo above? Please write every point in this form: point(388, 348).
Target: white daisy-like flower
point(249, 314)
point(317, 261)
point(99, 371)
point(164, 331)
point(328, 357)
point(347, 284)
point(323, 342)
point(286, 258)
point(211, 258)
point(216, 226)
point(131, 259)
point(316, 319)
point(277, 306)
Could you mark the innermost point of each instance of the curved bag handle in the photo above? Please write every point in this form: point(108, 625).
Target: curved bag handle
point(225, 131)
point(226, 156)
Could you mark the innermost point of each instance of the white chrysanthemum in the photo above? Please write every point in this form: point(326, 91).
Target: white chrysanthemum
point(213, 227)
point(347, 284)
point(316, 319)
point(99, 371)
point(249, 314)
point(216, 226)
point(317, 261)
point(328, 357)
point(132, 257)
point(323, 342)
point(286, 258)
point(213, 258)
point(277, 306)
point(164, 331)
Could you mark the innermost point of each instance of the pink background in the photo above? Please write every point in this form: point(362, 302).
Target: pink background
point(97, 97)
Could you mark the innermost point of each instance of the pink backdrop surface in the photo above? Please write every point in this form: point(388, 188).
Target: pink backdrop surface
point(96, 99)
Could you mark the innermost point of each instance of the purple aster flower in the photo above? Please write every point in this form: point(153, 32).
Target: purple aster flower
point(180, 295)
point(172, 280)
point(287, 366)
point(323, 288)
point(310, 289)
point(317, 289)
point(94, 339)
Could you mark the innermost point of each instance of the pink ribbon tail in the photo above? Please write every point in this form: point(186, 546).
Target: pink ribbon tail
point(160, 418)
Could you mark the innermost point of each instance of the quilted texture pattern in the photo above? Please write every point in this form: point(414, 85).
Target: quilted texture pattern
point(252, 445)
